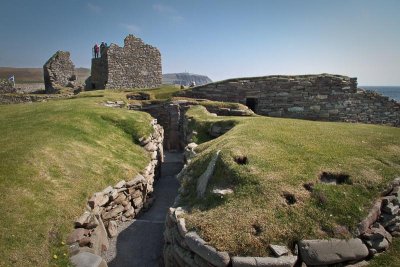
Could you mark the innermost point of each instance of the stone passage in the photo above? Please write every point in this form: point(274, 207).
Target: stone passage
point(58, 71)
point(316, 97)
point(136, 65)
point(141, 243)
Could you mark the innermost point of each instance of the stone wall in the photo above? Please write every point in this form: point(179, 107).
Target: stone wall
point(375, 233)
point(121, 202)
point(316, 97)
point(6, 87)
point(170, 115)
point(136, 65)
point(58, 71)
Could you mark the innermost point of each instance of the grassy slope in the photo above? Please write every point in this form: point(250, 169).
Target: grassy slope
point(53, 157)
point(284, 154)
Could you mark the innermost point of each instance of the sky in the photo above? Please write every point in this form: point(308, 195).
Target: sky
point(218, 38)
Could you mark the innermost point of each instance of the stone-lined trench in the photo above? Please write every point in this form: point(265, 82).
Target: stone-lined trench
point(140, 242)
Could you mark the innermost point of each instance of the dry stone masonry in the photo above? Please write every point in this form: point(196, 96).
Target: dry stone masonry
point(6, 87)
point(136, 65)
point(375, 234)
point(115, 204)
point(59, 71)
point(316, 97)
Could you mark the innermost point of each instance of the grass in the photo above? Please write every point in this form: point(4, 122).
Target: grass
point(53, 157)
point(163, 92)
point(284, 154)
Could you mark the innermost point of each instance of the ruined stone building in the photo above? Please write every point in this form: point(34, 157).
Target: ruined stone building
point(315, 97)
point(136, 65)
point(58, 71)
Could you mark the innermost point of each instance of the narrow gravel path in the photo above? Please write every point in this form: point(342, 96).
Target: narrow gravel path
point(140, 242)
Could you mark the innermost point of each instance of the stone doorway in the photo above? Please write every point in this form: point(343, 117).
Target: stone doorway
point(252, 103)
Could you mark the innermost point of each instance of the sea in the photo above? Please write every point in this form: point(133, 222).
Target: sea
point(392, 92)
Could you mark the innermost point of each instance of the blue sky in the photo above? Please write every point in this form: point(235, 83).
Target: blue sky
point(221, 39)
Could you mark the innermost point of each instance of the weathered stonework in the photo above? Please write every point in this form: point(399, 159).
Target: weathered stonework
point(315, 97)
point(136, 65)
point(58, 71)
point(122, 202)
point(6, 87)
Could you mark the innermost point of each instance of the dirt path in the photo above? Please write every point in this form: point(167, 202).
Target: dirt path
point(140, 241)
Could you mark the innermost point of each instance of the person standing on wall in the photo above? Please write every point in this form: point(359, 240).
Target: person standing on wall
point(96, 50)
point(102, 48)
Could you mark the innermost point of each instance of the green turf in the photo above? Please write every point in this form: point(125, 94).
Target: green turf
point(283, 154)
point(54, 156)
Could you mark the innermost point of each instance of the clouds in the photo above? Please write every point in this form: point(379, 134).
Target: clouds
point(169, 12)
point(132, 28)
point(163, 9)
point(94, 8)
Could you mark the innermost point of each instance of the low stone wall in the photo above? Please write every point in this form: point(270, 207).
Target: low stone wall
point(315, 97)
point(184, 248)
point(113, 205)
point(29, 98)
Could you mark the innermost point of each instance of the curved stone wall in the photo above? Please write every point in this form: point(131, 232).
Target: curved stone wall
point(315, 97)
point(119, 203)
point(187, 248)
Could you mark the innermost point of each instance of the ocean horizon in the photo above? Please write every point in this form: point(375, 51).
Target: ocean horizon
point(392, 92)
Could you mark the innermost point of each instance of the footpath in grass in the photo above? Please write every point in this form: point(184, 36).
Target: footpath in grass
point(53, 156)
point(279, 194)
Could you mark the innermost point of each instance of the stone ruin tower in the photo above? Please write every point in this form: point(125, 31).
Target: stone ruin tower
point(58, 71)
point(136, 65)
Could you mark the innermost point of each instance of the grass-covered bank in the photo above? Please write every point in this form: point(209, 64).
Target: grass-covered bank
point(270, 203)
point(53, 156)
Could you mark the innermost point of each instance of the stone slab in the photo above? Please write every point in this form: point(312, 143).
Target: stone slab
point(323, 252)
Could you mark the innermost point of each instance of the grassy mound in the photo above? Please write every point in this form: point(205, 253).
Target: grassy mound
point(279, 170)
point(54, 155)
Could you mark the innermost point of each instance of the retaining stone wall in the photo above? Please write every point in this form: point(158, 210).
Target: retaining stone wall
point(136, 65)
point(374, 235)
point(184, 248)
point(316, 97)
point(170, 116)
point(121, 202)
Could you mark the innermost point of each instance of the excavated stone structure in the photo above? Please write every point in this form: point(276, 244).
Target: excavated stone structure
point(315, 97)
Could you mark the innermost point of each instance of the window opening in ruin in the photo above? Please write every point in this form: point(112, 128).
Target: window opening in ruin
point(252, 103)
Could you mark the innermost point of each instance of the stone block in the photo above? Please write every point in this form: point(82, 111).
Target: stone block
point(324, 252)
point(99, 238)
point(279, 250)
point(98, 199)
point(77, 235)
point(208, 253)
point(284, 261)
point(112, 229)
point(243, 262)
point(87, 259)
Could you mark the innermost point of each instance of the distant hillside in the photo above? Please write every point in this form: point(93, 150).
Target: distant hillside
point(185, 78)
point(35, 75)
